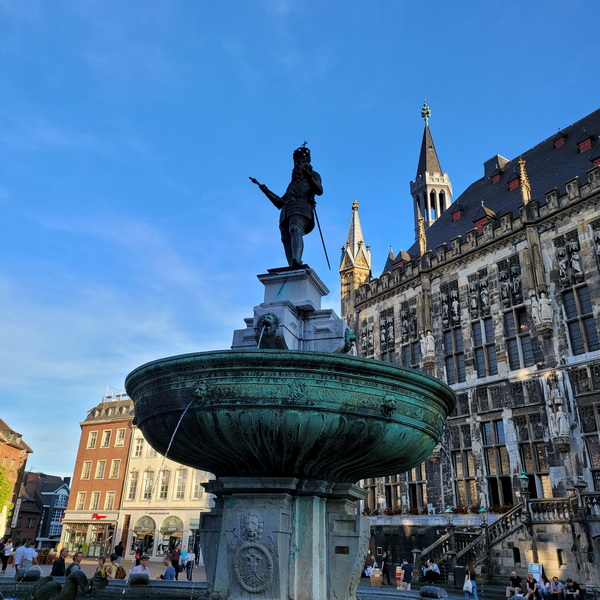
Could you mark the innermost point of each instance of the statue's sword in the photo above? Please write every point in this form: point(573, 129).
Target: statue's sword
point(321, 234)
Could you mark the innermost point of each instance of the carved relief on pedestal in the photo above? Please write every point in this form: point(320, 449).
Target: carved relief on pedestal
point(253, 562)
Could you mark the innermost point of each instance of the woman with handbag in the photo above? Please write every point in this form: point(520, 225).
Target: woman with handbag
point(470, 586)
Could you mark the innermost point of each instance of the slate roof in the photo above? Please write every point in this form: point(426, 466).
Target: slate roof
point(547, 168)
point(428, 159)
point(12, 438)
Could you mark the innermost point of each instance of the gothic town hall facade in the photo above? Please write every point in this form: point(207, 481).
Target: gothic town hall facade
point(499, 296)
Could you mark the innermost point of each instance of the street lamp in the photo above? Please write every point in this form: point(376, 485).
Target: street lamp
point(483, 515)
point(449, 514)
point(523, 483)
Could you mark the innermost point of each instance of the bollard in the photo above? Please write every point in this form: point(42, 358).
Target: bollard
point(399, 578)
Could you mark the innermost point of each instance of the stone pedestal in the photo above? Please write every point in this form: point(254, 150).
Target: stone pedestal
point(283, 539)
point(290, 317)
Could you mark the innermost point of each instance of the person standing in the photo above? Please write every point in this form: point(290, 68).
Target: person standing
point(29, 555)
point(170, 572)
point(471, 575)
point(143, 566)
point(59, 566)
point(175, 556)
point(7, 552)
point(19, 557)
point(3, 557)
point(408, 571)
point(189, 564)
point(76, 564)
point(385, 567)
point(119, 550)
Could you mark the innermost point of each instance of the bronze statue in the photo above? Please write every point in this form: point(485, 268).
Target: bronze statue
point(297, 205)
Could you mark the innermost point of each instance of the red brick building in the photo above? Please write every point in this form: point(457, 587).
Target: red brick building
point(91, 518)
point(13, 457)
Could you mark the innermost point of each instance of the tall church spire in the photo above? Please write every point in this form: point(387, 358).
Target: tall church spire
point(355, 267)
point(432, 189)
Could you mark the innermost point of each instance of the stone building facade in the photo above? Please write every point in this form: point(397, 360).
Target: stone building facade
point(498, 296)
point(162, 501)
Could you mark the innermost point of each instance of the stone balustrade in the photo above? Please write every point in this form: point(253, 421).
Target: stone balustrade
point(591, 503)
point(552, 510)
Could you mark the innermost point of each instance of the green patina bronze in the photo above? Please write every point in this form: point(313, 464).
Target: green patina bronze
point(312, 415)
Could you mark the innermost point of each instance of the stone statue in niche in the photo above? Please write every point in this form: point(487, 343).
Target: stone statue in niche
point(445, 309)
point(363, 340)
point(404, 325)
point(412, 324)
point(558, 421)
point(545, 308)
point(427, 344)
point(390, 332)
point(563, 273)
point(516, 284)
point(370, 341)
point(382, 335)
point(484, 296)
point(473, 300)
point(455, 306)
point(576, 267)
point(535, 310)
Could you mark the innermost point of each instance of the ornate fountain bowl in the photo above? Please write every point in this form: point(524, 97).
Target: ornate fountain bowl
point(278, 413)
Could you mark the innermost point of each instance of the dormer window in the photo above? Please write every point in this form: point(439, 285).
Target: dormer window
point(560, 139)
point(513, 184)
point(496, 178)
point(584, 143)
point(479, 224)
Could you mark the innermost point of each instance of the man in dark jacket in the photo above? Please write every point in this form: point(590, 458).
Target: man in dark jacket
point(296, 205)
point(58, 566)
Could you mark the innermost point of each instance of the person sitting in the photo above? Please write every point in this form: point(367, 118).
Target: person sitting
point(531, 583)
point(544, 588)
point(557, 589)
point(431, 572)
point(514, 587)
point(169, 574)
point(572, 589)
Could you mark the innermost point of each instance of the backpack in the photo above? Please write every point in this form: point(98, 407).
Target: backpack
point(121, 573)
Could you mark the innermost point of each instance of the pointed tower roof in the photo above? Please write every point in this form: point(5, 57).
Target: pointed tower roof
point(355, 253)
point(428, 159)
point(355, 235)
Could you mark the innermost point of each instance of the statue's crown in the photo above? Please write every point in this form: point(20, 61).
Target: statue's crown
point(303, 152)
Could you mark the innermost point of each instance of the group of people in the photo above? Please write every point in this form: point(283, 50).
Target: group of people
point(176, 561)
point(544, 589)
point(386, 567)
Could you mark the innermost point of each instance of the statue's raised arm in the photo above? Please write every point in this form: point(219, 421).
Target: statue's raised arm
point(296, 205)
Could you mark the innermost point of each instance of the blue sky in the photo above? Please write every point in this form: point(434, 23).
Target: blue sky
point(128, 130)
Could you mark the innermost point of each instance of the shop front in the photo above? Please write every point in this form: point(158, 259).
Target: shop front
point(143, 535)
point(170, 534)
point(93, 538)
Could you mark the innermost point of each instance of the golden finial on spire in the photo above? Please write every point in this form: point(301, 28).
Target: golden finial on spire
point(355, 205)
point(524, 182)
